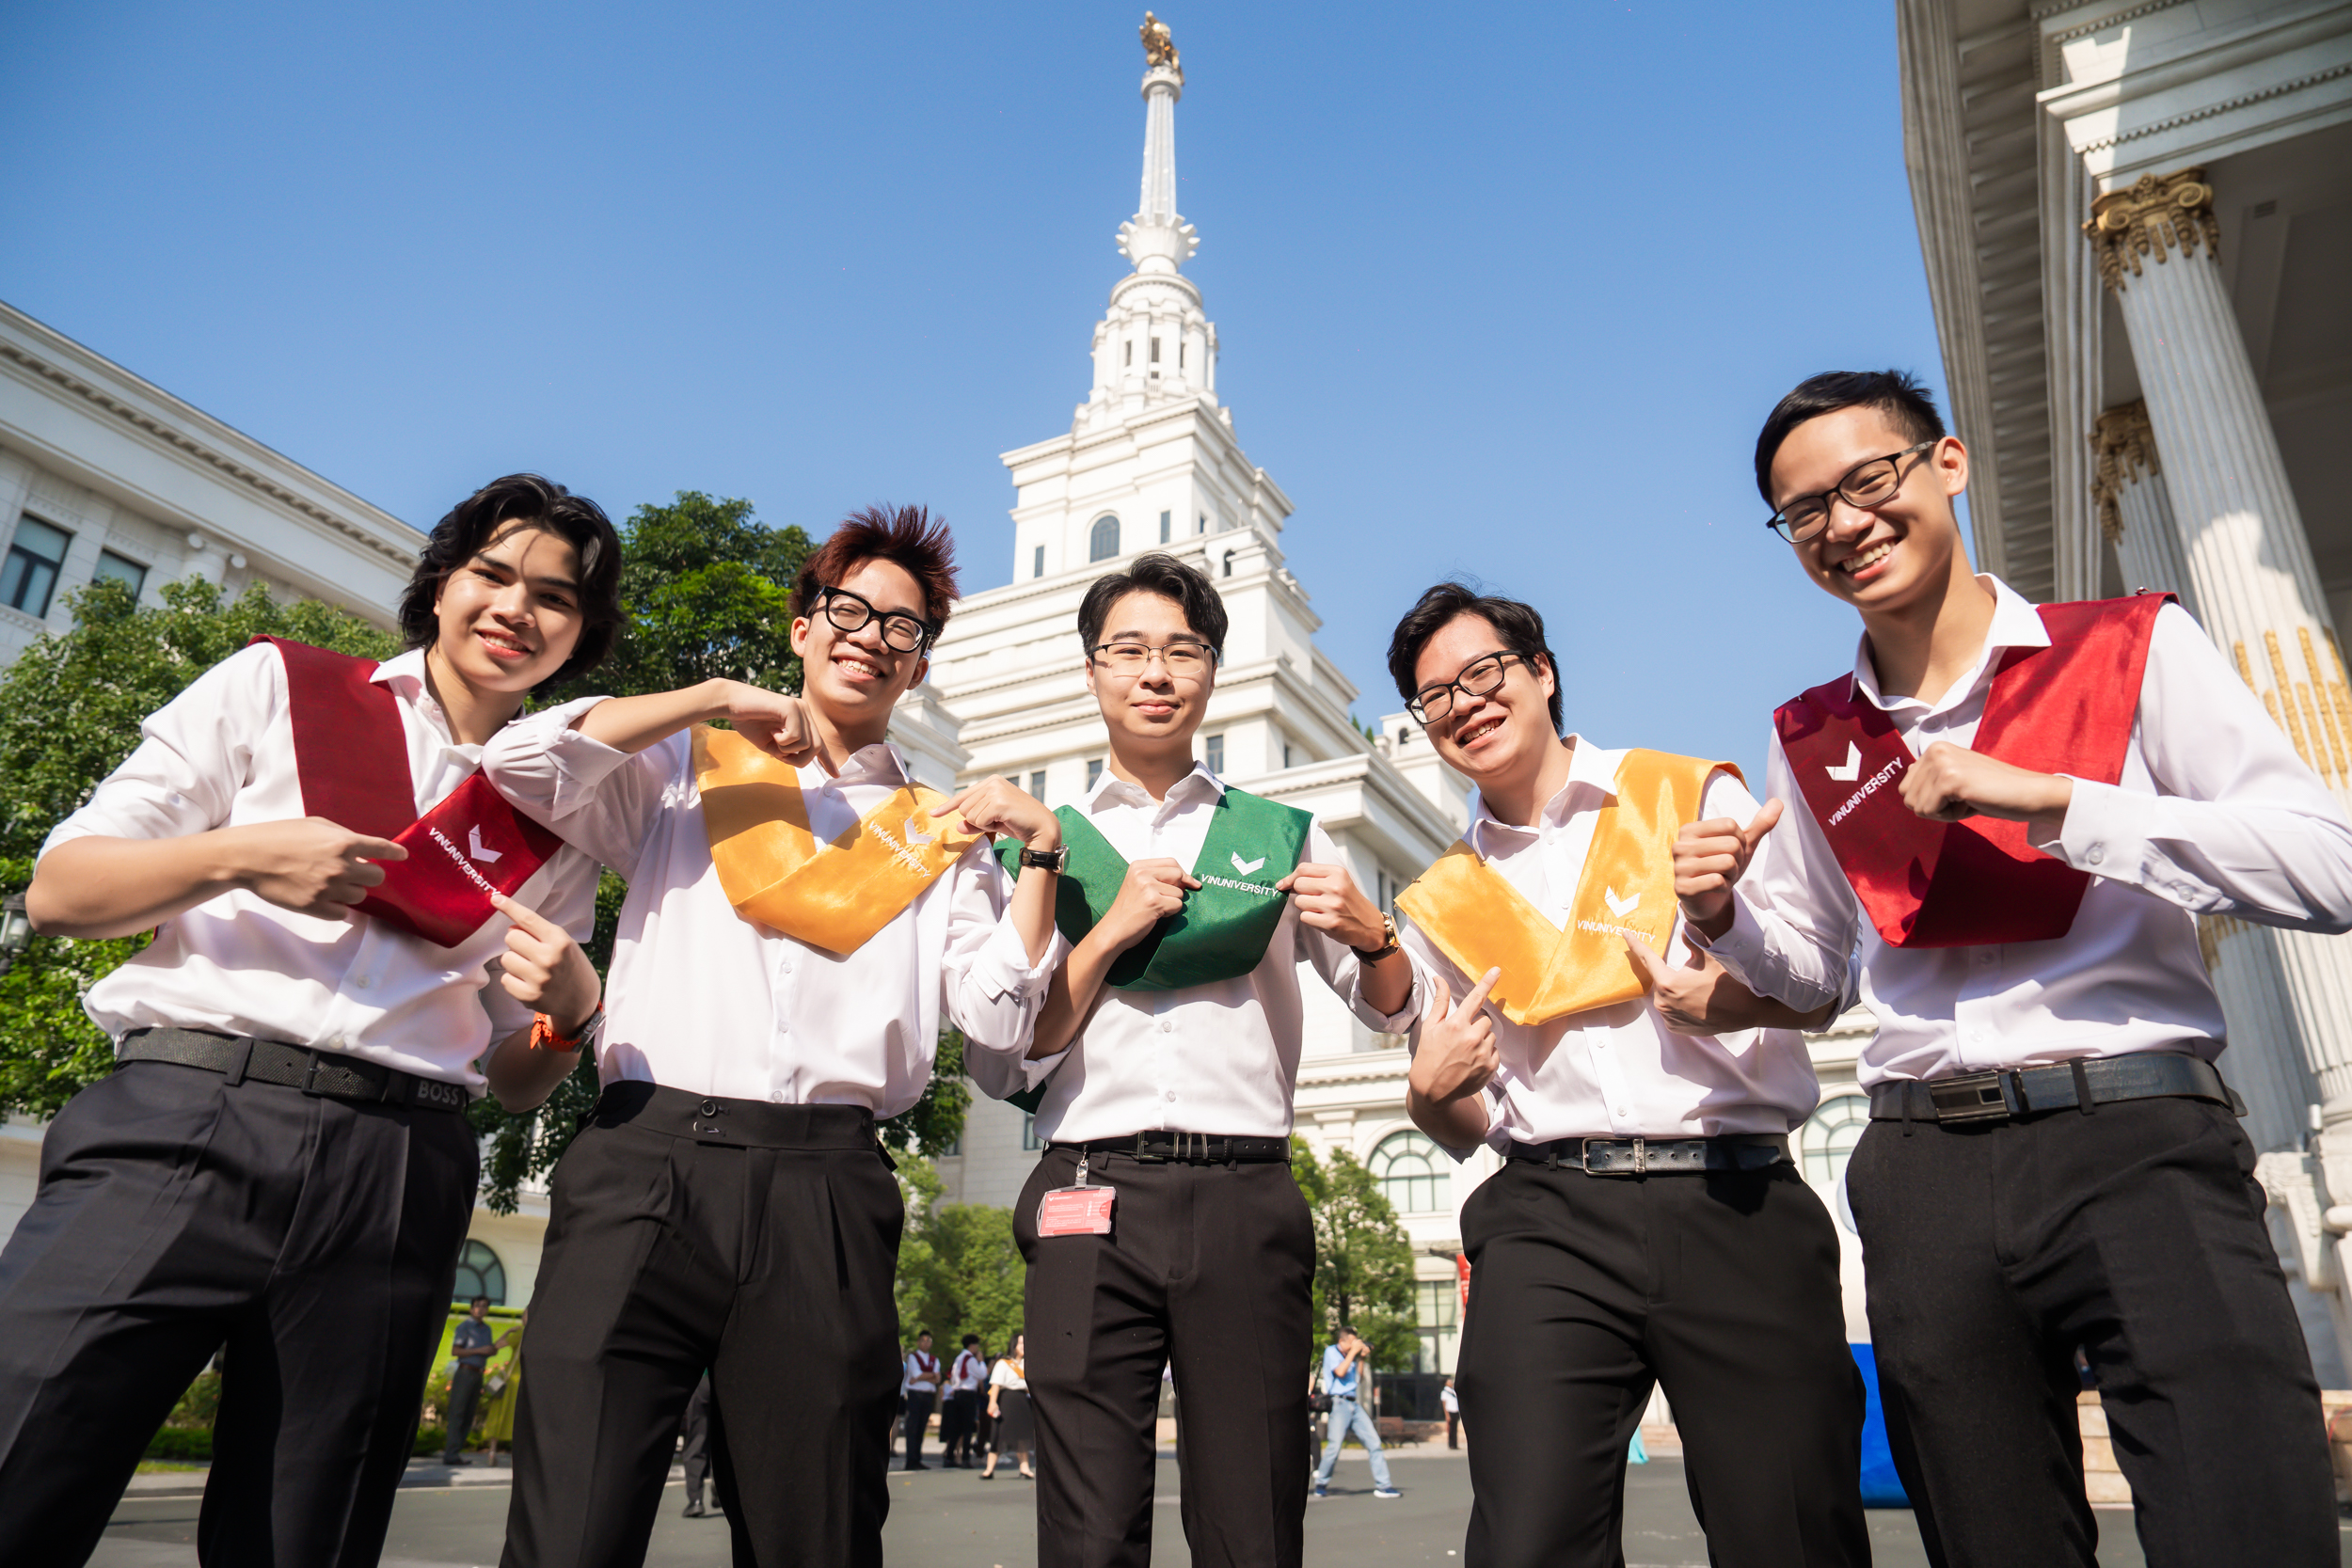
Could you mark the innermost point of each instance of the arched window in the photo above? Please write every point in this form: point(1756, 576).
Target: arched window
point(1412, 1174)
point(480, 1274)
point(1104, 543)
point(1829, 1135)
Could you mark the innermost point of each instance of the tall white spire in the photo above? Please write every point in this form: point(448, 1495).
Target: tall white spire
point(1157, 239)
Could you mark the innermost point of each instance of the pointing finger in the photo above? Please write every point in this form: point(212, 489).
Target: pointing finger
point(526, 918)
point(1477, 998)
point(377, 850)
point(1646, 959)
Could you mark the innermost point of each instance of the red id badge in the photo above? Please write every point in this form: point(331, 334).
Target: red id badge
point(1077, 1210)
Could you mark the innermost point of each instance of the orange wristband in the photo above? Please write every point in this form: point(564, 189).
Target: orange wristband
point(543, 1038)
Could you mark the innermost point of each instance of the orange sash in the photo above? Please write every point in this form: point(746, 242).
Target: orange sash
point(775, 874)
point(1479, 921)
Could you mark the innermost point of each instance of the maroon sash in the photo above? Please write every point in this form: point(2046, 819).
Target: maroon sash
point(352, 757)
point(2064, 708)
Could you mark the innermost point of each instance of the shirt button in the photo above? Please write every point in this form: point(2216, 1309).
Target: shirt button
point(775, 1097)
point(1621, 1113)
point(2096, 855)
point(362, 983)
point(1172, 1094)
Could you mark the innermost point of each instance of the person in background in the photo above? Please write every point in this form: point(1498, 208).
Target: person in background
point(921, 1385)
point(1009, 1410)
point(695, 1435)
point(1452, 1403)
point(502, 1388)
point(960, 1415)
point(471, 1344)
point(1346, 1376)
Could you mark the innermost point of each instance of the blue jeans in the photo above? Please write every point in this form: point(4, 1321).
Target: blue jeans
point(1347, 1416)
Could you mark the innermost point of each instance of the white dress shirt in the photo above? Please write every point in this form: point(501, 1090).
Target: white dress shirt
point(703, 1000)
point(971, 1370)
point(1220, 1058)
point(2214, 815)
point(921, 1373)
point(1007, 1374)
point(1617, 1071)
point(221, 754)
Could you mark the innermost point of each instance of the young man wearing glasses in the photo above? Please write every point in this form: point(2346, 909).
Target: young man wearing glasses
point(801, 920)
point(1162, 1224)
point(1647, 1227)
point(2014, 815)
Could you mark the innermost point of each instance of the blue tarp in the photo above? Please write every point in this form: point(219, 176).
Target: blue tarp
point(1880, 1489)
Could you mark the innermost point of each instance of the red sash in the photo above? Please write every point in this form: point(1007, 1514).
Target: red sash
point(352, 757)
point(2064, 708)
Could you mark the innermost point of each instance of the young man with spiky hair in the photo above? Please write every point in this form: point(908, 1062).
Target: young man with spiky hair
point(2014, 815)
point(802, 917)
point(281, 1160)
point(1647, 1227)
point(1162, 1226)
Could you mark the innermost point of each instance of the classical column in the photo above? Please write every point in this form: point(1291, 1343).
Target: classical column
point(2128, 496)
point(2257, 594)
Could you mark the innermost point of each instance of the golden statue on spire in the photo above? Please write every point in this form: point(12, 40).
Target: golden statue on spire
point(1159, 44)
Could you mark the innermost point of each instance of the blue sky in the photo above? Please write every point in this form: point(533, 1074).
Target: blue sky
point(1501, 290)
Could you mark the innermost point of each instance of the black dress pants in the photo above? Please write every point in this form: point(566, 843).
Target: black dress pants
point(756, 1240)
point(1207, 1268)
point(1995, 1249)
point(957, 1419)
point(316, 1238)
point(919, 1418)
point(465, 1397)
point(694, 1446)
point(1587, 1290)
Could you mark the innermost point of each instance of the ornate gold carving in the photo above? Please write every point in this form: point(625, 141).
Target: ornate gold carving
point(1159, 45)
point(2124, 450)
point(2212, 931)
point(2151, 217)
point(2332, 700)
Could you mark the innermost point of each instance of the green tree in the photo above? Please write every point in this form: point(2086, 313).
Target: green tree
point(69, 712)
point(960, 1271)
point(1363, 1262)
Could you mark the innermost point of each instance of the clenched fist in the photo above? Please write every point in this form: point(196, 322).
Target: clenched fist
point(1152, 890)
point(1709, 857)
point(311, 865)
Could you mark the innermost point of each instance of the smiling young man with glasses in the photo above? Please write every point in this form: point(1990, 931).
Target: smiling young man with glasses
point(2013, 816)
point(1162, 1226)
point(801, 918)
point(1647, 1227)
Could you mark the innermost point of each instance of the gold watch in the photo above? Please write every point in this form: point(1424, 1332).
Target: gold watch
point(1388, 944)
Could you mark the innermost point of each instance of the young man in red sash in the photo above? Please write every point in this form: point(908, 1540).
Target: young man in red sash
point(1647, 1227)
point(279, 1161)
point(2013, 816)
point(802, 919)
point(1163, 1226)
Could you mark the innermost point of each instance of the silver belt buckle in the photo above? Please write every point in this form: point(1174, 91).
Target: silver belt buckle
point(1973, 1096)
point(1640, 1157)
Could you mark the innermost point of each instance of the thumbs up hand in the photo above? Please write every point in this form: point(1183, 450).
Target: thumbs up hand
point(1709, 857)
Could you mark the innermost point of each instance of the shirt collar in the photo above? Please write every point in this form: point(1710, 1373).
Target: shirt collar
point(1111, 790)
point(1592, 781)
point(404, 674)
point(878, 763)
point(2015, 624)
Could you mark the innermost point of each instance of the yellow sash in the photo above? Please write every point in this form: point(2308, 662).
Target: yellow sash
point(1479, 921)
point(769, 862)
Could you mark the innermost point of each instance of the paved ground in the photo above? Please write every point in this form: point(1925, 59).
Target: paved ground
point(950, 1519)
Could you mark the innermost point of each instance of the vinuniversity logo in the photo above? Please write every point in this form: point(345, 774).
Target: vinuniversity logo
point(1246, 868)
point(465, 866)
point(482, 853)
point(1870, 787)
point(1620, 907)
point(1851, 770)
point(898, 851)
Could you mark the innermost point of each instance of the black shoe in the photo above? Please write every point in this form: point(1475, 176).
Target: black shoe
point(914, 1467)
point(454, 1459)
point(694, 1509)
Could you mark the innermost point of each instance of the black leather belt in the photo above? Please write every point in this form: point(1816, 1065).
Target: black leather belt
point(1190, 1149)
point(319, 1073)
point(747, 1123)
point(1658, 1156)
point(2081, 1085)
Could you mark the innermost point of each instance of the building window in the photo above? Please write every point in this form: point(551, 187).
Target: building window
point(1036, 569)
point(1829, 1135)
point(1037, 785)
point(1130, 354)
point(1180, 354)
point(1215, 746)
point(1155, 351)
point(1286, 753)
point(1385, 889)
point(1229, 564)
point(29, 577)
point(122, 569)
point(1094, 771)
point(1102, 543)
point(1029, 1140)
point(1435, 1312)
point(1407, 1166)
point(1163, 528)
point(1203, 526)
point(480, 1274)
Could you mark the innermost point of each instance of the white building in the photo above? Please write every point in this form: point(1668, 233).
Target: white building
point(2136, 216)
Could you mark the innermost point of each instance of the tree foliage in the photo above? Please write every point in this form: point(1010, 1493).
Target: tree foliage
point(960, 1271)
point(1363, 1261)
point(69, 712)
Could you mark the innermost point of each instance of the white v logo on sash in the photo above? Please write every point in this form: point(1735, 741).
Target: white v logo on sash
point(918, 840)
point(483, 853)
point(1246, 867)
point(1852, 768)
point(1620, 907)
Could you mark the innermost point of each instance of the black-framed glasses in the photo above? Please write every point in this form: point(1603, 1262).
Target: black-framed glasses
point(1476, 678)
point(1865, 484)
point(1184, 657)
point(900, 631)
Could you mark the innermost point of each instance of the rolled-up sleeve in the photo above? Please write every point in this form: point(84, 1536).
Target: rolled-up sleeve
point(1793, 912)
point(195, 753)
point(989, 989)
point(2238, 825)
point(1343, 970)
point(599, 800)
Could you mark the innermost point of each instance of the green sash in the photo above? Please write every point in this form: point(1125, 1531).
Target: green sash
point(1226, 924)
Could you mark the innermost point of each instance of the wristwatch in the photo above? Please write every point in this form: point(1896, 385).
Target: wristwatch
point(543, 1038)
point(1055, 861)
point(1387, 931)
